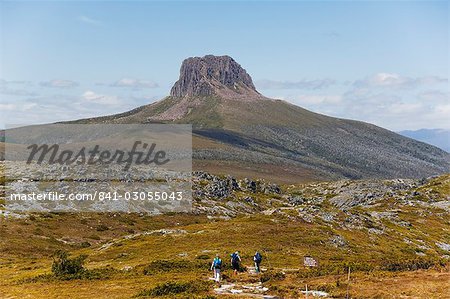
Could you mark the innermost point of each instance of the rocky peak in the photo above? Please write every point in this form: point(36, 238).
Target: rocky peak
point(213, 75)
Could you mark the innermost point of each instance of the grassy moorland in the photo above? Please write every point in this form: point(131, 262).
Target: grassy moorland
point(167, 256)
point(381, 268)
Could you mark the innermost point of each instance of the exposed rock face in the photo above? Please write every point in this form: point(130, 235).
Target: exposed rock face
point(212, 186)
point(213, 75)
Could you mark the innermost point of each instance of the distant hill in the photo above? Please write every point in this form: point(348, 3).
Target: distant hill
point(239, 131)
point(436, 137)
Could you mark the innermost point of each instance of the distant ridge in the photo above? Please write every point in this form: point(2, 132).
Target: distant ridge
point(436, 137)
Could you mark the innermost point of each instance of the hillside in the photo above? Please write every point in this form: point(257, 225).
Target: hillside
point(241, 131)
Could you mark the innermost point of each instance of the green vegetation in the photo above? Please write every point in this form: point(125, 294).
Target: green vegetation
point(272, 276)
point(175, 288)
point(62, 265)
point(64, 268)
point(206, 115)
point(102, 228)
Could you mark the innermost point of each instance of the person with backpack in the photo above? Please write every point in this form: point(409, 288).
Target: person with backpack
point(216, 266)
point(235, 262)
point(257, 258)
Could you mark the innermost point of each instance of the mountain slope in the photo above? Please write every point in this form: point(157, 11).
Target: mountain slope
point(238, 128)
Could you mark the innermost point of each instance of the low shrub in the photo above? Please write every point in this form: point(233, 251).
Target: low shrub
point(203, 257)
point(63, 265)
point(94, 237)
point(412, 264)
point(272, 276)
point(173, 288)
point(85, 244)
point(95, 274)
point(65, 268)
point(102, 228)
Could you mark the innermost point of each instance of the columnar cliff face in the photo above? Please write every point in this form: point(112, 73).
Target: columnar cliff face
point(212, 75)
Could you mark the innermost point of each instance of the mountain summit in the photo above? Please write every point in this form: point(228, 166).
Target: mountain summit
point(238, 131)
point(213, 75)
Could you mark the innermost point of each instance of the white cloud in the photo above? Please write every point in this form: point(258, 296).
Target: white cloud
point(436, 96)
point(396, 112)
point(369, 97)
point(396, 81)
point(402, 108)
point(384, 100)
point(59, 83)
point(92, 97)
point(317, 99)
point(134, 83)
point(89, 20)
point(7, 107)
point(389, 100)
point(67, 106)
point(443, 109)
point(302, 84)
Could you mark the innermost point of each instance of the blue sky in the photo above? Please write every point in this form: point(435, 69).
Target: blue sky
point(382, 62)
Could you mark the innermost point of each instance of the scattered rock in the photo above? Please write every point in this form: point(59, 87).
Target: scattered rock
point(443, 246)
point(127, 268)
point(338, 241)
point(316, 293)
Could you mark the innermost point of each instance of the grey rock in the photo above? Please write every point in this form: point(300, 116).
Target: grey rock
point(338, 241)
point(203, 76)
point(443, 246)
point(296, 200)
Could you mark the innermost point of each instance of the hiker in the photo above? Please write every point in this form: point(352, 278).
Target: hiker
point(216, 266)
point(257, 258)
point(235, 261)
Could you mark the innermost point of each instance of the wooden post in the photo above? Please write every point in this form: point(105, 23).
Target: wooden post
point(306, 292)
point(348, 283)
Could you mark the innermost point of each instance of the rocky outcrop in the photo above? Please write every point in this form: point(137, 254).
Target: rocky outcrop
point(207, 185)
point(213, 75)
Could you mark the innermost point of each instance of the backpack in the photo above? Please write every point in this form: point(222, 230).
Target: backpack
point(217, 263)
point(235, 258)
point(258, 257)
